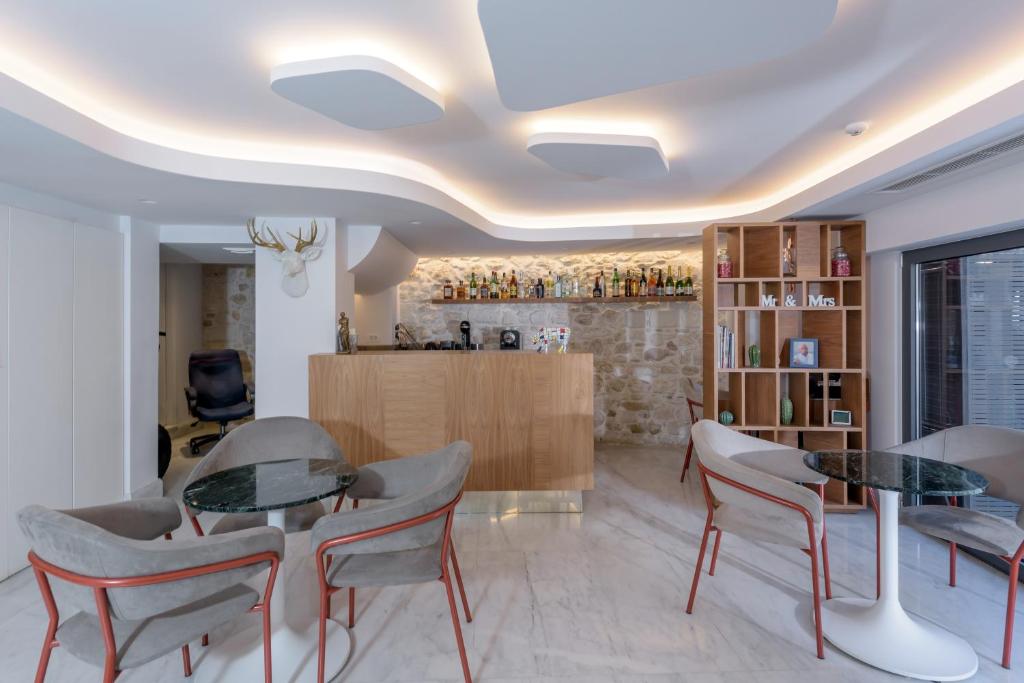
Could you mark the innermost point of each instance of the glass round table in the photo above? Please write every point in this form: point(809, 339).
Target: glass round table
point(273, 487)
point(880, 632)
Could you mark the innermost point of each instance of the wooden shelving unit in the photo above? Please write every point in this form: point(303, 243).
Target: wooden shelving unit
point(754, 395)
point(572, 300)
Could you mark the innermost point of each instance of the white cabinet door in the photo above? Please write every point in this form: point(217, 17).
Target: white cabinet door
point(98, 386)
point(41, 324)
point(5, 265)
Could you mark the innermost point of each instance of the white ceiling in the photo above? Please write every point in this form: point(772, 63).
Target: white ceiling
point(108, 102)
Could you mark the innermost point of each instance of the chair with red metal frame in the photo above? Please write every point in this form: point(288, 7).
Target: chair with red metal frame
point(133, 600)
point(263, 440)
point(404, 540)
point(754, 505)
point(997, 453)
point(387, 480)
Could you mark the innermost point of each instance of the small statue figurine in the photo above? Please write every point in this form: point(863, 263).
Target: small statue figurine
point(344, 344)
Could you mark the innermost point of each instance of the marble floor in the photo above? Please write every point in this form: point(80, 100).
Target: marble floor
point(599, 597)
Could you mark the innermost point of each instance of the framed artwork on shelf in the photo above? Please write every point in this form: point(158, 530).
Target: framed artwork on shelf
point(803, 353)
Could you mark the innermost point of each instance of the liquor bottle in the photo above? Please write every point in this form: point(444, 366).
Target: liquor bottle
point(473, 290)
point(495, 288)
point(670, 284)
point(597, 287)
point(576, 283)
point(513, 287)
point(688, 283)
point(643, 282)
point(460, 291)
point(484, 291)
point(659, 286)
point(539, 289)
point(504, 286)
point(448, 292)
point(616, 284)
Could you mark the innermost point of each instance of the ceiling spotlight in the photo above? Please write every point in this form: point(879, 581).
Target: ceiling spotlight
point(856, 128)
point(147, 201)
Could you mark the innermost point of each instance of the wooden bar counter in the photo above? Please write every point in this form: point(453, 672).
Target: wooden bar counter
point(529, 416)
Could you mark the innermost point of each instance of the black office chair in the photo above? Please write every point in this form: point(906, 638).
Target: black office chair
point(217, 392)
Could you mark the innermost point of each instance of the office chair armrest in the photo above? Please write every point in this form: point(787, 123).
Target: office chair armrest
point(251, 388)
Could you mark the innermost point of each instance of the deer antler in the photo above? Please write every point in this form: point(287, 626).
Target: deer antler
point(300, 242)
point(260, 241)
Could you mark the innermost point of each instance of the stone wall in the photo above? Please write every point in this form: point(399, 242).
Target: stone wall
point(229, 311)
point(643, 353)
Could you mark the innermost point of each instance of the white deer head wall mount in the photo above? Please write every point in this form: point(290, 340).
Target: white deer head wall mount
point(294, 280)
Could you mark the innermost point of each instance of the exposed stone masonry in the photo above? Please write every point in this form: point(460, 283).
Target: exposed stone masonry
point(642, 352)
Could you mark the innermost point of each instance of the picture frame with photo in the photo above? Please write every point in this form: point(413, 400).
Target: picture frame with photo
point(803, 353)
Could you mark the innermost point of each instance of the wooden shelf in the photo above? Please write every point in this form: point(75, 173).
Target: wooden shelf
point(572, 300)
point(753, 395)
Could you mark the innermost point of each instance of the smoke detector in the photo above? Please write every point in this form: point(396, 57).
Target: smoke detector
point(856, 128)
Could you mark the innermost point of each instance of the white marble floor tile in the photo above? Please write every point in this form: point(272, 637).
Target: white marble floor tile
point(600, 598)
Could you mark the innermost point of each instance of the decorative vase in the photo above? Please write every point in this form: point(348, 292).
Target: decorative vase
point(725, 417)
point(754, 353)
point(786, 410)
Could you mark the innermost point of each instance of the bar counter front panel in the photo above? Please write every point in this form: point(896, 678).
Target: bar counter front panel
point(529, 416)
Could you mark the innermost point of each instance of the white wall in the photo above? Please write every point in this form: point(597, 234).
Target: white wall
point(289, 329)
point(375, 317)
point(983, 204)
point(141, 305)
point(181, 317)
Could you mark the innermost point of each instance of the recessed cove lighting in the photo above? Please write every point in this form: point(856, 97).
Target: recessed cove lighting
point(857, 128)
point(147, 201)
point(240, 250)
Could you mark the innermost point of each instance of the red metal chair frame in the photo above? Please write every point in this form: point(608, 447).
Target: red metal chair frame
point(811, 550)
point(326, 590)
point(690, 404)
point(100, 585)
point(352, 591)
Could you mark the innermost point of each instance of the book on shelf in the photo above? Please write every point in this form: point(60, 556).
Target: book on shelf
point(725, 344)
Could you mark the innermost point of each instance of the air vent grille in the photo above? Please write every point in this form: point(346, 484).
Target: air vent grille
point(957, 164)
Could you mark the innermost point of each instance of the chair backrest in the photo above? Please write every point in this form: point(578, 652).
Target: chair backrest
point(65, 539)
point(216, 375)
point(997, 453)
point(266, 439)
point(434, 480)
point(716, 444)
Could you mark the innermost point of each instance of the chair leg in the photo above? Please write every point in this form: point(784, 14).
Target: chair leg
point(686, 460)
point(351, 607)
point(714, 552)
point(455, 622)
point(1011, 607)
point(700, 565)
point(824, 547)
point(878, 544)
point(321, 652)
point(186, 660)
point(817, 598)
point(462, 588)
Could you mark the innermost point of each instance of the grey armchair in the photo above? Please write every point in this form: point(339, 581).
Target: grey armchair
point(754, 505)
point(267, 439)
point(998, 454)
point(403, 540)
point(133, 600)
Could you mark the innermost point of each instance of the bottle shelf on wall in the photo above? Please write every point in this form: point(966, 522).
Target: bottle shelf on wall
point(832, 310)
point(573, 300)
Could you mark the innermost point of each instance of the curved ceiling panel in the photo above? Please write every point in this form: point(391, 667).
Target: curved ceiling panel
point(358, 90)
point(635, 157)
point(547, 54)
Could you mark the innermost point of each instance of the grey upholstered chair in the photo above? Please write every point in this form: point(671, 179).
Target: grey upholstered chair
point(131, 599)
point(754, 505)
point(998, 454)
point(403, 540)
point(270, 438)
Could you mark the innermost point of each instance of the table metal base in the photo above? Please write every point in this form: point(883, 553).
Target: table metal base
point(882, 634)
